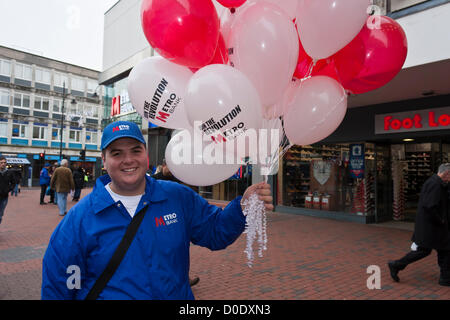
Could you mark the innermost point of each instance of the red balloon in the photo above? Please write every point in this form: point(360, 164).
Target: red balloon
point(305, 66)
point(183, 31)
point(221, 55)
point(374, 57)
point(231, 3)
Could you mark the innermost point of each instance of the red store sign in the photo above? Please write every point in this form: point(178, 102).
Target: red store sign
point(410, 121)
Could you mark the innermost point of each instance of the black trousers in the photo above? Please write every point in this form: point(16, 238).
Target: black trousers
point(420, 253)
point(43, 190)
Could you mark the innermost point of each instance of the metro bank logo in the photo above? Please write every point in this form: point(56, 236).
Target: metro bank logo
point(166, 220)
point(121, 127)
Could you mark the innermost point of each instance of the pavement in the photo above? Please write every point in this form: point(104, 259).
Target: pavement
point(307, 258)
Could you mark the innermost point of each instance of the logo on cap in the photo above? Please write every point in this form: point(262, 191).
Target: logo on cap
point(121, 127)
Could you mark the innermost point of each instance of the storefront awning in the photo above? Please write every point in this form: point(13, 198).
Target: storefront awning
point(17, 161)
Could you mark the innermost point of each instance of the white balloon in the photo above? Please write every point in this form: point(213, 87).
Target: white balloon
point(264, 46)
point(223, 102)
point(326, 26)
point(156, 89)
point(194, 161)
point(288, 6)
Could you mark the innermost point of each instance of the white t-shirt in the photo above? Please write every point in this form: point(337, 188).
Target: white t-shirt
point(130, 202)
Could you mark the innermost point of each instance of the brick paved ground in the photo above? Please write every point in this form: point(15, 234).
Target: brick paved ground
point(307, 258)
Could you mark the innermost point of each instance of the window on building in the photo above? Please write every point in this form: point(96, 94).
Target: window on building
point(75, 135)
point(41, 103)
point(40, 132)
point(91, 111)
point(56, 134)
point(57, 106)
point(60, 79)
point(5, 68)
point(91, 137)
point(20, 130)
point(23, 71)
point(78, 84)
point(91, 86)
point(4, 98)
point(42, 75)
point(21, 100)
point(3, 129)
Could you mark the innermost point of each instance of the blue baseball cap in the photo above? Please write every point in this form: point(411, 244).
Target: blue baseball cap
point(121, 129)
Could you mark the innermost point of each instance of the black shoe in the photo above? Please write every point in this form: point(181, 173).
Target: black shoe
point(394, 271)
point(43, 203)
point(194, 281)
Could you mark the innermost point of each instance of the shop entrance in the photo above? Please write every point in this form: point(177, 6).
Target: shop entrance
point(412, 164)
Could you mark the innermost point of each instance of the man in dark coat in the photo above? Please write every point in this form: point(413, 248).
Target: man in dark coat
point(6, 185)
point(432, 226)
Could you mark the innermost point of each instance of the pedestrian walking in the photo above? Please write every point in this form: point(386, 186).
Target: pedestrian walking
point(44, 181)
point(432, 227)
point(52, 169)
point(78, 178)
point(17, 177)
point(155, 265)
point(62, 182)
point(6, 185)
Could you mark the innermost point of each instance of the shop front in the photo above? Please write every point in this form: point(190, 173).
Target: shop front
point(371, 169)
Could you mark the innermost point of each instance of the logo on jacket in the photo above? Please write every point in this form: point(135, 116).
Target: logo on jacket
point(166, 220)
point(121, 127)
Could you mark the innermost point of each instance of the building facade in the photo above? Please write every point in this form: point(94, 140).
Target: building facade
point(38, 98)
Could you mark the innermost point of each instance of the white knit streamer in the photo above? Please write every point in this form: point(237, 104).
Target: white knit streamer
point(256, 226)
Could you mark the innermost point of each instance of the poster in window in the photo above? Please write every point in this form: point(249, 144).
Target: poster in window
point(356, 163)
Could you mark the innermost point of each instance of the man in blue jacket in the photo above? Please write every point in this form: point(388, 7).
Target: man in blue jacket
point(44, 181)
point(156, 265)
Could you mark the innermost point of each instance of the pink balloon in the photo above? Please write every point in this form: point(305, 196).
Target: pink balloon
point(326, 26)
point(264, 46)
point(317, 109)
point(231, 3)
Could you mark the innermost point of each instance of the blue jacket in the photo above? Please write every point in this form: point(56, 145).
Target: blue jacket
point(44, 177)
point(156, 265)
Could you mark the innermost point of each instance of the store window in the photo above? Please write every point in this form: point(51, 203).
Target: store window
point(20, 130)
point(329, 177)
point(23, 71)
point(21, 100)
point(39, 132)
point(91, 111)
point(41, 103)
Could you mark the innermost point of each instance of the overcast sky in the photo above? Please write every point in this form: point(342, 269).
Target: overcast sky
point(66, 30)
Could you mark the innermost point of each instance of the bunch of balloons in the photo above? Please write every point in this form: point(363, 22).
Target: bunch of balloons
point(261, 61)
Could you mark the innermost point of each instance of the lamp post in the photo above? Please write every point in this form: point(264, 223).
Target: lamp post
point(62, 122)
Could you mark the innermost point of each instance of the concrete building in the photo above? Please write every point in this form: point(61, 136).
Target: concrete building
point(38, 96)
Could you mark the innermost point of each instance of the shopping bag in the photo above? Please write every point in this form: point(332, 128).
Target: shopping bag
point(47, 192)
